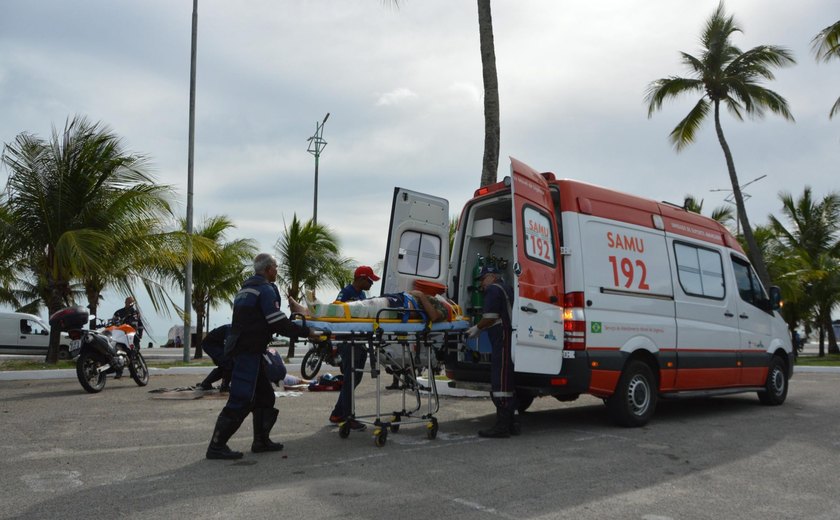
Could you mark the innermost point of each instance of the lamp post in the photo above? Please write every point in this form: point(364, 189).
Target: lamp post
point(316, 144)
point(190, 154)
point(730, 199)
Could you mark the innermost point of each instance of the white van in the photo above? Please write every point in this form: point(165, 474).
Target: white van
point(22, 333)
point(616, 296)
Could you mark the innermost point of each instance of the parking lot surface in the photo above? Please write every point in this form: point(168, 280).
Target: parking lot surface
point(126, 453)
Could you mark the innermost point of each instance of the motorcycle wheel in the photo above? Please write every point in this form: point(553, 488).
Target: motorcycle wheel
point(139, 370)
point(90, 378)
point(311, 364)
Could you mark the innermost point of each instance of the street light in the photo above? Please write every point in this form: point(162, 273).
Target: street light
point(188, 272)
point(731, 200)
point(316, 144)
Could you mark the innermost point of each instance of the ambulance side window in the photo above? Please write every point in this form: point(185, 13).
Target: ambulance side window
point(700, 271)
point(419, 254)
point(749, 288)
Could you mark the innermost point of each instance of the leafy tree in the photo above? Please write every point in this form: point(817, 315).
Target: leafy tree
point(309, 256)
point(725, 74)
point(61, 197)
point(722, 214)
point(826, 45)
point(812, 239)
point(218, 268)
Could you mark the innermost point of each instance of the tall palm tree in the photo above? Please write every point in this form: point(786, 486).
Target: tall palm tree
point(61, 195)
point(826, 45)
point(492, 133)
point(218, 268)
point(812, 238)
point(725, 74)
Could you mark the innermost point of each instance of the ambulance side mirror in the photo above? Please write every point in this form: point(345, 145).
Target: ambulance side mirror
point(775, 298)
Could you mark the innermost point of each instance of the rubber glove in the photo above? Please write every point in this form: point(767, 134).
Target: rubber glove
point(473, 331)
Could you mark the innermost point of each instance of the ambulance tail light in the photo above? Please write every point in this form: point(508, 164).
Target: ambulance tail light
point(574, 322)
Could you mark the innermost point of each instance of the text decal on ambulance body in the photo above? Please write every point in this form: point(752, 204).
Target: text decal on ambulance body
point(626, 271)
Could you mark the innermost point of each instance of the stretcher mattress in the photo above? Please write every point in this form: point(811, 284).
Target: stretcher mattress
point(365, 326)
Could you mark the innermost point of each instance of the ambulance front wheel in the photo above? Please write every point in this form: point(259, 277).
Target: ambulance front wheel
point(776, 387)
point(634, 400)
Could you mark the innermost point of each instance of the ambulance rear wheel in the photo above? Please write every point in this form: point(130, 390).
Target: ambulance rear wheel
point(634, 399)
point(776, 387)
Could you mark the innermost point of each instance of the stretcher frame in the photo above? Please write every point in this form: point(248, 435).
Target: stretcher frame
point(375, 336)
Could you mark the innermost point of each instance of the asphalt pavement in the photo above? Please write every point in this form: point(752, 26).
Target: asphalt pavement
point(136, 453)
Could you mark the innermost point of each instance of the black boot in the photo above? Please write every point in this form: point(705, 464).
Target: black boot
point(226, 426)
point(515, 426)
point(501, 429)
point(264, 419)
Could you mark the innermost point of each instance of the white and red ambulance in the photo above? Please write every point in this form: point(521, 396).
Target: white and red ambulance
point(615, 295)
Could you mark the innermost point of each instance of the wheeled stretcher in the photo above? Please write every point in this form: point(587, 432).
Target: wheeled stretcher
point(388, 342)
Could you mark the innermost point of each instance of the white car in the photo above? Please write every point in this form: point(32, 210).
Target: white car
point(27, 334)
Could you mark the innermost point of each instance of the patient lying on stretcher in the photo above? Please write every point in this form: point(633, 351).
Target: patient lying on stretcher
point(436, 308)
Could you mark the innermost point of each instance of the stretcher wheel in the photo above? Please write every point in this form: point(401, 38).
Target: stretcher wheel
point(432, 429)
point(395, 424)
point(344, 430)
point(380, 436)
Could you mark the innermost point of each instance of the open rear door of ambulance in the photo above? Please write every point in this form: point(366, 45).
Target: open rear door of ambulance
point(417, 254)
point(538, 278)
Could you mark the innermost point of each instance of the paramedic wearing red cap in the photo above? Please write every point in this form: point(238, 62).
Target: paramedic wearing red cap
point(363, 279)
point(496, 320)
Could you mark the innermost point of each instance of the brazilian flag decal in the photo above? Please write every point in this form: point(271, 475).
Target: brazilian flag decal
point(595, 328)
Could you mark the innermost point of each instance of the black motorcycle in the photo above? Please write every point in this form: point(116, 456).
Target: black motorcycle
point(108, 350)
point(319, 353)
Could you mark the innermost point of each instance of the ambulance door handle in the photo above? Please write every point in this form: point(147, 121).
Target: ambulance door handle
point(728, 314)
point(528, 308)
point(743, 316)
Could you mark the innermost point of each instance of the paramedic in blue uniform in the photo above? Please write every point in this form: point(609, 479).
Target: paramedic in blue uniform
point(256, 318)
point(363, 279)
point(496, 321)
point(214, 346)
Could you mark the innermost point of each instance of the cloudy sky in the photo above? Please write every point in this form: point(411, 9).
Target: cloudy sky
point(404, 91)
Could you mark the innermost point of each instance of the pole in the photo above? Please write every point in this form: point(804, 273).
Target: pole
point(190, 164)
point(316, 144)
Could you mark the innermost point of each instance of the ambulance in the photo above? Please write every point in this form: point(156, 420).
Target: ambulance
point(615, 295)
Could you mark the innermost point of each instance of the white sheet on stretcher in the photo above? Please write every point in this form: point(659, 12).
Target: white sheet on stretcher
point(367, 326)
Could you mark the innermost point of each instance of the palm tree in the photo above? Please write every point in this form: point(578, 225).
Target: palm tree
point(826, 45)
point(61, 195)
point(722, 214)
point(309, 256)
point(812, 239)
point(218, 268)
point(490, 163)
point(725, 74)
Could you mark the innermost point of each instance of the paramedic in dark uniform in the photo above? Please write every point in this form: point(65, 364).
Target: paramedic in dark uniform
point(363, 279)
point(256, 318)
point(496, 320)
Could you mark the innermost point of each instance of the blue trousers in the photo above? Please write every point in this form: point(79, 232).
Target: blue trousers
point(349, 351)
point(502, 388)
point(249, 386)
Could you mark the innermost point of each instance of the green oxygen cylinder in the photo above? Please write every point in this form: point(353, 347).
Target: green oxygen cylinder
point(477, 297)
